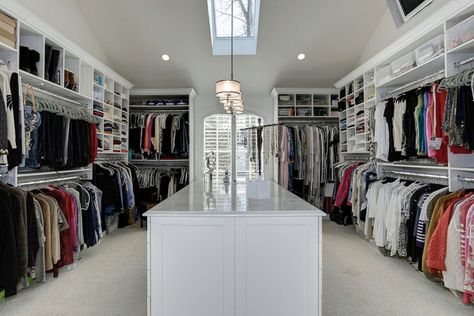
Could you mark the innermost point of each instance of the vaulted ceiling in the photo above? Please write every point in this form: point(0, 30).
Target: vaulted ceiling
point(134, 35)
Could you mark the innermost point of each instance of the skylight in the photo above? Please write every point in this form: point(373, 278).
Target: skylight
point(246, 13)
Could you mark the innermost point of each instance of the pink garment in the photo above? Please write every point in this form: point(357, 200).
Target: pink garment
point(283, 161)
point(344, 186)
point(469, 258)
point(147, 134)
point(429, 124)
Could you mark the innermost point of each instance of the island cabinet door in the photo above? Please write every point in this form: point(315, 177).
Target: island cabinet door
point(277, 266)
point(192, 266)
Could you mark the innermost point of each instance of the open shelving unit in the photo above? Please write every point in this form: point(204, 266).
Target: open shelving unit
point(376, 80)
point(318, 103)
point(356, 98)
point(171, 101)
point(36, 35)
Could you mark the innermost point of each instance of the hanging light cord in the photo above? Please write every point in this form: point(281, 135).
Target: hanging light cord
point(232, 41)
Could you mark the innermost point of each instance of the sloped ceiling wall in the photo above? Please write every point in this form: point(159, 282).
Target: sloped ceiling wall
point(66, 17)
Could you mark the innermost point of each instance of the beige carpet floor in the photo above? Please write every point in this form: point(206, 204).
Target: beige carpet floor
point(110, 279)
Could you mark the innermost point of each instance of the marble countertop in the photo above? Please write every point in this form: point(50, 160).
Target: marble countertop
point(236, 199)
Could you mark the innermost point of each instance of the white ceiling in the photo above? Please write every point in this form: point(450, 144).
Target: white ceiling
point(134, 35)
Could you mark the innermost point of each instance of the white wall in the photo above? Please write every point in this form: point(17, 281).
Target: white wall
point(66, 17)
point(386, 31)
point(261, 105)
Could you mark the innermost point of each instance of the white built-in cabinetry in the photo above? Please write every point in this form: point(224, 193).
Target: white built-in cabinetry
point(96, 84)
point(378, 79)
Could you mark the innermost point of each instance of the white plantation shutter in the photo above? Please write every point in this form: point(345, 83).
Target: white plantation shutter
point(218, 138)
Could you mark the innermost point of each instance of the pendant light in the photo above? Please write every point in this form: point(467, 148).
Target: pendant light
point(228, 90)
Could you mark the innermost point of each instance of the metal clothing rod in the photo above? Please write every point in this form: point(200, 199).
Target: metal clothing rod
point(464, 62)
point(51, 173)
point(418, 175)
point(26, 86)
point(263, 126)
point(416, 82)
point(47, 181)
point(464, 179)
point(146, 111)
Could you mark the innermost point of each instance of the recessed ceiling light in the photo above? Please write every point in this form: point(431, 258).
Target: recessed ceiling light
point(301, 56)
point(165, 57)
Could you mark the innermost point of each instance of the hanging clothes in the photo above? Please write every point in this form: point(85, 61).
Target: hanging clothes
point(159, 136)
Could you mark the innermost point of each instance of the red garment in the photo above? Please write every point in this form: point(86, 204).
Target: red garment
point(438, 242)
point(65, 235)
point(93, 141)
point(147, 133)
point(344, 186)
point(441, 155)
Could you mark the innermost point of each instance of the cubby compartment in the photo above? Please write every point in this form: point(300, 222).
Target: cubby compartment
point(109, 84)
point(86, 79)
point(286, 99)
point(303, 99)
point(321, 111)
point(320, 99)
point(429, 49)
point(108, 97)
point(53, 62)
point(461, 33)
point(286, 111)
point(99, 78)
point(403, 64)
point(72, 72)
point(302, 111)
point(384, 73)
point(31, 51)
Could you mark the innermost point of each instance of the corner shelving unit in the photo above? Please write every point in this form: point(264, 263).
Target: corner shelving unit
point(318, 103)
point(354, 135)
point(34, 34)
point(165, 101)
point(455, 55)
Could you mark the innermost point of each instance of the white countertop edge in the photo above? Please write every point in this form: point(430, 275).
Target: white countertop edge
point(315, 213)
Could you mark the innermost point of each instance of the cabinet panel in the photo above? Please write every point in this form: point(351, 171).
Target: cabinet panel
point(277, 266)
point(193, 266)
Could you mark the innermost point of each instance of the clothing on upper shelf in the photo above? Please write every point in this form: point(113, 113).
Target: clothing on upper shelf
point(427, 224)
point(157, 184)
point(41, 230)
point(12, 146)
point(159, 136)
point(307, 155)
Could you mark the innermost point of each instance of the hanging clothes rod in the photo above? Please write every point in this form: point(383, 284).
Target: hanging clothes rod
point(147, 111)
point(263, 126)
point(49, 181)
point(51, 173)
point(464, 62)
point(425, 80)
point(26, 86)
point(418, 175)
point(464, 179)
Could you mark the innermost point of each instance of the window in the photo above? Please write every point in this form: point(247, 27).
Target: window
point(403, 10)
point(246, 14)
point(218, 139)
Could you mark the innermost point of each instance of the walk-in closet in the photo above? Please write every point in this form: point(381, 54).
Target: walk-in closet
point(236, 157)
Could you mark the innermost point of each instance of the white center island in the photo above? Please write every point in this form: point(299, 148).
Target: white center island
point(241, 249)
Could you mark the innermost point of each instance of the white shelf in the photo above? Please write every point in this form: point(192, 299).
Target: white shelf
point(413, 166)
point(462, 169)
point(467, 47)
point(49, 86)
point(5, 47)
point(429, 67)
